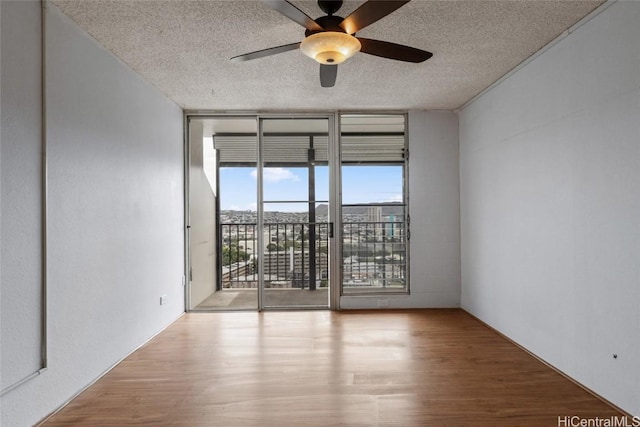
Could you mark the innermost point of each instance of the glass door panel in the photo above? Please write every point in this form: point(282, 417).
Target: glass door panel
point(223, 214)
point(374, 209)
point(294, 183)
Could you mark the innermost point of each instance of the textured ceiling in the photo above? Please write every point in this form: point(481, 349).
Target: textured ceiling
point(183, 48)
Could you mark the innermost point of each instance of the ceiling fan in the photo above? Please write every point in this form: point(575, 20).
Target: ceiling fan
point(330, 39)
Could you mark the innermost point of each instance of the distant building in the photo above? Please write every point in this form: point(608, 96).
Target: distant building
point(374, 215)
point(393, 227)
point(294, 265)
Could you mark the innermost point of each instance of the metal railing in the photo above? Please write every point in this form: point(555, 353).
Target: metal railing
point(296, 255)
point(373, 254)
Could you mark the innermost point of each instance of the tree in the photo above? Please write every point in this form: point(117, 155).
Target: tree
point(289, 243)
point(272, 247)
point(231, 255)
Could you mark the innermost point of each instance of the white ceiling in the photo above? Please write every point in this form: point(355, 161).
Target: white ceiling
point(183, 48)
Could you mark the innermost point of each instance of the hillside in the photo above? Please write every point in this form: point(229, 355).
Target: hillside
point(393, 209)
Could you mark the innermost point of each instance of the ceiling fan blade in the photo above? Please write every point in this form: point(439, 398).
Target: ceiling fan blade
point(293, 13)
point(265, 52)
point(393, 51)
point(328, 74)
point(368, 13)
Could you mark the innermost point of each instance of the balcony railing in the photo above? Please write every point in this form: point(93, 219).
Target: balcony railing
point(296, 255)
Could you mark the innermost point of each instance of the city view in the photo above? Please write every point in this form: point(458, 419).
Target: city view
point(296, 248)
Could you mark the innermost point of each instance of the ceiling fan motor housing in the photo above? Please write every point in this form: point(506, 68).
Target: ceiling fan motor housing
point(328, 23)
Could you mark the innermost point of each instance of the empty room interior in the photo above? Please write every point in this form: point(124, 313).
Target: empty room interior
point(263, 213)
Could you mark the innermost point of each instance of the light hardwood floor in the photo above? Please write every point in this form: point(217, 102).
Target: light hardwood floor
point(319, 368)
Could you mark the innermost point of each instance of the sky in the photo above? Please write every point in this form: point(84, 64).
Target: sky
point(360, 184)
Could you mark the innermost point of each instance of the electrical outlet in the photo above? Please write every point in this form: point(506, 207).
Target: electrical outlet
point(383, 303)
point(163, 300)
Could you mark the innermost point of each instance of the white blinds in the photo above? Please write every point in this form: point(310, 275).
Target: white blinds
point(291, 149)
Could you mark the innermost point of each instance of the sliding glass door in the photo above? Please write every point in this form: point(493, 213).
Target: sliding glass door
point(294, 212)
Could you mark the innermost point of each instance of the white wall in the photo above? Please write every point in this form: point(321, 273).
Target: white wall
point(202, 205)
point(550, 205)
point(115, 216)
point(21, 217)
point(434, 209)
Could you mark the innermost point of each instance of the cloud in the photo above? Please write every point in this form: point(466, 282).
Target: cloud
point(393, 198)
point(276, 175)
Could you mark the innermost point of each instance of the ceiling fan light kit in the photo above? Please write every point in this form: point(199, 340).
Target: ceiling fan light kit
point(330, 47)
point(330, 40)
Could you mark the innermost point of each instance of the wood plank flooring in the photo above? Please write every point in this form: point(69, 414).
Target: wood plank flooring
point(320, 368)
